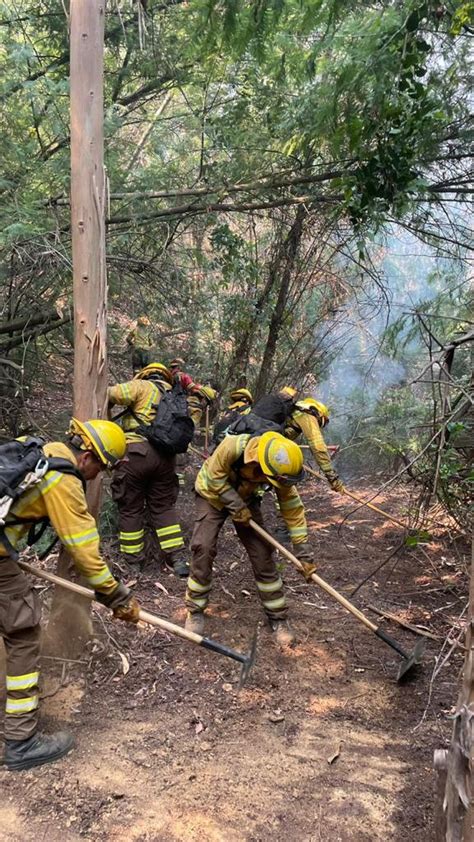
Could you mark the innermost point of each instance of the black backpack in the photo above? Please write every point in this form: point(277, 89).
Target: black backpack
point(172, 428)
point(254, 425)
point(23, 464)
point(221, 426)
point(274, 408)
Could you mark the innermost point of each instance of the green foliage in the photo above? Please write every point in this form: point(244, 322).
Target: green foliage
point(420, 536)
point(356, 111)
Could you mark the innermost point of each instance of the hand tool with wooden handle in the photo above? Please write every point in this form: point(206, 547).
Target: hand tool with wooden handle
point(247, 661)
point(362, 502)
point(410, 660)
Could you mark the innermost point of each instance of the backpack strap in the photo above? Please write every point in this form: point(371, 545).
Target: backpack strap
point(64, 466)
point(39, 525)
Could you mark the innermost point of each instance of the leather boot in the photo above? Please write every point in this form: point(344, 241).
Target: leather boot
point(195, 623)
point(36, 750)
point(283, 634)
point(178, 564)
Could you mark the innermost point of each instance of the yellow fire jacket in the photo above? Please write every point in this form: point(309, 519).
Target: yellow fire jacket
point(142, 397)
point(60, 498)
point(195, 409)
point(227, 485)
point(140, 337)
point(301, 423)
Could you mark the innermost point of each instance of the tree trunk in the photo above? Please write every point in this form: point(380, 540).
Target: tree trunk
point(460, 761)
point(70, 624)
point(286, 260)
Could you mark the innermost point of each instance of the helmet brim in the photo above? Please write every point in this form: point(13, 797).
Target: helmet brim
point(286, 481)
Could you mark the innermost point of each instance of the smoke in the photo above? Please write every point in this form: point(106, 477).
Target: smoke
point(359, 371)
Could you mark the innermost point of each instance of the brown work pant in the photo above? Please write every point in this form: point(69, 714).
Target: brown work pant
point(20, 615)
point(209, 522)
point(145, 488)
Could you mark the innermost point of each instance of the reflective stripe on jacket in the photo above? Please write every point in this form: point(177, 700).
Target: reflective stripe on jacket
point(226, 486)
point(142, 396)
point(306, 424)
point(60, 498)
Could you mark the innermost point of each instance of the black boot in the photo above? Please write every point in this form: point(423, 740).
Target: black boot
point(133, 564)
point(178, 564)
point(36, 750)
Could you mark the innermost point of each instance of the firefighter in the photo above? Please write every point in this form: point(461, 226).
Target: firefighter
point(140, 340)
point(305, 417)
point(308, 417)
point(241, 404)
point(146, 484)
point(228, 484)
point(183, 377)
point(189, 385)
point(60, 498)
point(200, 398)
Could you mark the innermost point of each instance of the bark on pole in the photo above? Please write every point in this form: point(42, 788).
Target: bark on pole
point(459, 791)
point(70, 623)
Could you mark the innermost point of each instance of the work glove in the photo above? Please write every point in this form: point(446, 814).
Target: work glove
point(121, 602)
point(130, 612)
point(337, 485)
point(305, 557)
point(242, 516)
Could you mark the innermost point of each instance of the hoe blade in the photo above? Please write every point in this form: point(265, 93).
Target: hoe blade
point(247, 665)
point(411, 661)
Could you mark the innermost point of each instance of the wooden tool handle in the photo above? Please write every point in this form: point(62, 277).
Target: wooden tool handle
point(197, 452)
point(376, 509)
point(151, 619)
point(315, 578)
point(362, 502)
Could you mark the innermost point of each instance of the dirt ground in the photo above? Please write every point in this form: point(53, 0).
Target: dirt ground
point(321, 744)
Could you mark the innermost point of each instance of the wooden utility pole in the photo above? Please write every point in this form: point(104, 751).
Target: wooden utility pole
point(455, 767)
point(88, 207)
point(70, 621)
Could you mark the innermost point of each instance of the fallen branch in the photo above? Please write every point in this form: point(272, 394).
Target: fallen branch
point(376, 569)
point(29, 321)
point(403, 624)
point(34, 334)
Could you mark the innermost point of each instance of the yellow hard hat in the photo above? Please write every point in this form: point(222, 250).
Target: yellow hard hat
point(206, 392)
point(143, 320)
point(104, 438)
point(241, 393)
point(288, 392)
point(318, 409)
point(155, 370)
point(281, 460)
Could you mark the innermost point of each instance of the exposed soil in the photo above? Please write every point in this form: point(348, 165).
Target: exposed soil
point(321, 744)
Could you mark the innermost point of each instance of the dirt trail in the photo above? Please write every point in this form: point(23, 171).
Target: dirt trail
point(171, 751)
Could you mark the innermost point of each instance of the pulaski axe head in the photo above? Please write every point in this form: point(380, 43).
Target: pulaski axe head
point(250, 659)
